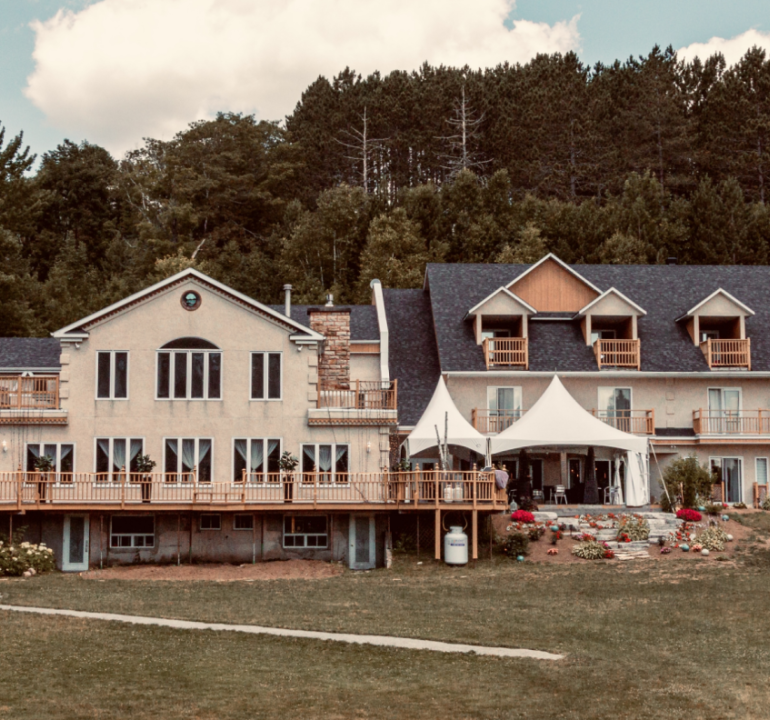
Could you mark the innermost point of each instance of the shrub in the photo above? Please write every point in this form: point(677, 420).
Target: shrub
point(16, 557)
point(715, 509)
point(713, 538)
point(517, 543)
point(766, 503)
point(634, 527)
point(522, 516)
point(687, 476)
point(535, 533)
point(739, 506)
point(689, 515)
point(590, 550)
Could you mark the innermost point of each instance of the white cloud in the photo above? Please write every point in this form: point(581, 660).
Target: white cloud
point(732, 48)
point(119, 70)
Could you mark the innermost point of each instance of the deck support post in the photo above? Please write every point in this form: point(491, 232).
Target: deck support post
point(253, 539)
point(475, 534)
point(437, 533)
point(191, 538)
point(418, 535)
point(178, 539)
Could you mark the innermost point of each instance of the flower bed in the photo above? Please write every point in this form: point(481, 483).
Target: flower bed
point(522, 516)
point(23, 558)
point(689, 515)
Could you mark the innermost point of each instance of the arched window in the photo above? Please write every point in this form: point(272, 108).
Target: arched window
point(189, 368)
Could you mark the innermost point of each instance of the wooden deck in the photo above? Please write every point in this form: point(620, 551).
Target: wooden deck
point(618, 353)
point(38, 392)
point(506, 352)
point(421, 490)
point(636, 422)
point(727, 422)
point(727, 353)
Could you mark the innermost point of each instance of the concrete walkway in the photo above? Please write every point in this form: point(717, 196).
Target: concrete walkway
point(379, 640)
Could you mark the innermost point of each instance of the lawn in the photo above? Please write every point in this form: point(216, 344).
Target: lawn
point(681, 639)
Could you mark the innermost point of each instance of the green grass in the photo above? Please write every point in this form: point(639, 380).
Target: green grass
point(677, 640)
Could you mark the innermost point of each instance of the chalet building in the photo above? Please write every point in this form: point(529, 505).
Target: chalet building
point(221, 392)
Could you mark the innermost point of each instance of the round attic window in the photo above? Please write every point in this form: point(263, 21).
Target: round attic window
point(191, 300)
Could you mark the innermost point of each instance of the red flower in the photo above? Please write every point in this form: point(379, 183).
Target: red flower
point(689, 515)
point(522, 516)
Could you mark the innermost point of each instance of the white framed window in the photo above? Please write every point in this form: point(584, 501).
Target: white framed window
point(724, 415)
point(189, 369)
point(243, 522)
point(266, 376)
point(709, 335)
point(112, 456)
point(211, 521)
point(503, 401)
point(62, 456)
point(730, 471)
point(132, 531)
point(259, 457)
point(112, 375)
point(760, 476)
point(329, 462)
point(185, 459)
point(305, 531)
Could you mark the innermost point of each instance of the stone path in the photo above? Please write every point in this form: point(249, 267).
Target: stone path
point(379, 640)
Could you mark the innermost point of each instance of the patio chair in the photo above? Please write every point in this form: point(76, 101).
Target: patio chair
point(559, 493)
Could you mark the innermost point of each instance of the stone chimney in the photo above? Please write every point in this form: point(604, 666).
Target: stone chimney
point(334, 359)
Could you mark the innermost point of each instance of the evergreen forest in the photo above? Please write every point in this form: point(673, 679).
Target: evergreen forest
point(634, 162)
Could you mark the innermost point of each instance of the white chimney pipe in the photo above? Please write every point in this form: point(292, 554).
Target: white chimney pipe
point(287, 300)
point(329, 301)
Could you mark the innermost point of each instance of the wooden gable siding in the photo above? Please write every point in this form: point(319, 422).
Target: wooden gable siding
point(550, 288)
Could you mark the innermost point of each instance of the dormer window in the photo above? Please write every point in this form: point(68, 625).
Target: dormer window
point(609, 326)
point(717, 325)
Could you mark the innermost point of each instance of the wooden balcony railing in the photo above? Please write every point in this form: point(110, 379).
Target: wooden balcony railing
point(637, 422)
point(38, 392)
point(731, 422)
point(494, 421)
point(759, 495)
point(56, 491)
point(505, 352)
point(618, 353)
point(727, 353)
point(360, 395)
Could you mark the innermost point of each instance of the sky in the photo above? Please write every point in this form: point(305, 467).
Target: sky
point(116, 71)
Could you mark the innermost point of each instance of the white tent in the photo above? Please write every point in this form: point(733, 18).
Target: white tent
point(459, 432)
point(557, 420)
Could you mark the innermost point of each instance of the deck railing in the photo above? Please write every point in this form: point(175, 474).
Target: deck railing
point(727, 353)
point(360, 395)
point(759, 494)
point(494, 421)
point(505, 352)
point(117, 490)
point(38, 392)
point(731, 422)
point(618, 353)
point(637, 422)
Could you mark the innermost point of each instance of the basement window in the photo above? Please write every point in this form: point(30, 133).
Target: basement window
point(211, 522)
point(308, 531)
point(243, 522)
point(131, 531)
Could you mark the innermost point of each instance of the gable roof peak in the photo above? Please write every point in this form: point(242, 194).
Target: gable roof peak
point(562, 264)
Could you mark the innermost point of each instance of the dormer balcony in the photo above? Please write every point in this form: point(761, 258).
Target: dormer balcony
point(727, 353)
point(618, 353)
point(506, 352)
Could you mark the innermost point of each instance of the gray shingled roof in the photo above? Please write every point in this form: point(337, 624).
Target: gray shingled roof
point(29, 353)
point(363, 319)
point(413, 359)
point(666, 292)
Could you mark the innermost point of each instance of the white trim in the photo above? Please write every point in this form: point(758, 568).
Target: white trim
point(333, 470)
point(599, 388)
point(735, 300)
point(504, 289)
point(304, 535)
point(71, 329)
point(605, 294)
point(132, 535)
point(739, 458)
point(33, 370)
point(743, 374)
point(265, 376)
point(110, 456)
point(721, 390)
point(41, 444)
point(382, 323)
point(551, 256)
